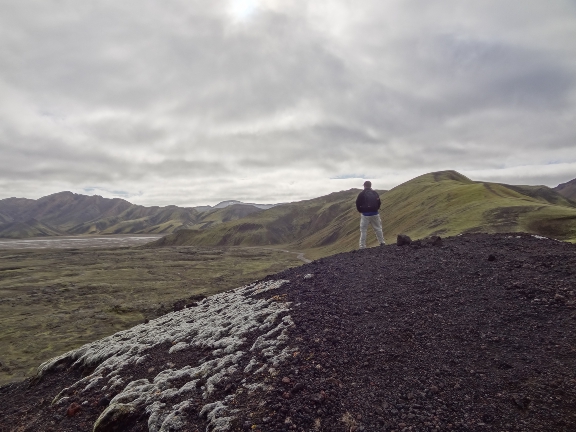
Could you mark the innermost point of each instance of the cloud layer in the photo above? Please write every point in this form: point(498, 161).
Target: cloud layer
point(189, 102)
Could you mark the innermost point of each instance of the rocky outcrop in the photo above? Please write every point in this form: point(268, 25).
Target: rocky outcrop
point(403, 240)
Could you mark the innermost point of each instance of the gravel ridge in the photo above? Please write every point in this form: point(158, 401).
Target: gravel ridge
point(474, 334)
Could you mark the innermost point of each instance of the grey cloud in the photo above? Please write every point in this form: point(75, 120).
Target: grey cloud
point(95, 95)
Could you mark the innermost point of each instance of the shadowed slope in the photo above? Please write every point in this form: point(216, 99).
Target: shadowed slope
point(28, 228)
point(567, 189)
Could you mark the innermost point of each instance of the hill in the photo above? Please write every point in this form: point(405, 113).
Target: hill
point(567, 189)
point(441, 203)
point(232, 212)
point(329, 222)
point(66, 213)
point(448, 203)
point(475, 334)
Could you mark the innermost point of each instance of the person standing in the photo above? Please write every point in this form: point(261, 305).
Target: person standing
point(368, 203)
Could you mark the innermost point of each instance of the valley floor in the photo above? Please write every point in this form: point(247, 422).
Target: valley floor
point(53, 300)
point(78, 242)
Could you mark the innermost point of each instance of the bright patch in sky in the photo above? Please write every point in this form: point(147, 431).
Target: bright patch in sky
point(242, 9)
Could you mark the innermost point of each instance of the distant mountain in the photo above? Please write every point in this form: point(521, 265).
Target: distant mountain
point(445, 203)
point(567, 189)
point(67, 213)
point(228, 203)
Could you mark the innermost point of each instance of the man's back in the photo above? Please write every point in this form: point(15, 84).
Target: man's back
point(368, 201)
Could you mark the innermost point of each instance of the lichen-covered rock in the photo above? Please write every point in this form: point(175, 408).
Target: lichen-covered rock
point(218, 325)
point(114, 417)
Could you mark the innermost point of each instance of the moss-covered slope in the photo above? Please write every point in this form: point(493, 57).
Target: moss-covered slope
point(444, 203)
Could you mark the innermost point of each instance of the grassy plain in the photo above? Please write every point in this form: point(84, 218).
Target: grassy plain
point(55, 300)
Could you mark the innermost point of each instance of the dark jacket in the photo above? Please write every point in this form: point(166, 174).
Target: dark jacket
point(368, 201)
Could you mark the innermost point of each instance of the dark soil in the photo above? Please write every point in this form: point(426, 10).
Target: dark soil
point(476, 334)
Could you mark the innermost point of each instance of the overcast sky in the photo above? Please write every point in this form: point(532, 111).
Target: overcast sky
point(194, 102)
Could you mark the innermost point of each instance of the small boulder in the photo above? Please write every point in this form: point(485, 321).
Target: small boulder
point(491, 257)
point(403, 240)
point(104, 402)
point(434, 241)
point(73, 409)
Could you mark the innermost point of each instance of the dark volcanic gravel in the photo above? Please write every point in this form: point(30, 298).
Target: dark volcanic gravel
point(476, 334)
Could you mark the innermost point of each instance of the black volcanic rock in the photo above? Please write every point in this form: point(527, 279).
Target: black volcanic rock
point(403, 240)
point(433, 241)
point(388, 338)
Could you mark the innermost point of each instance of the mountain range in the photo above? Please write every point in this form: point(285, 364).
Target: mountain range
point(442, 203)
point(67, 213)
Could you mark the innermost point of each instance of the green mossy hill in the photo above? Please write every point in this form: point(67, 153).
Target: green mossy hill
point(443, 203)
point(66, 213)
point(141, 221)
point(567, 189)
point(217, 216)
point(329, 222)
point(447, 203)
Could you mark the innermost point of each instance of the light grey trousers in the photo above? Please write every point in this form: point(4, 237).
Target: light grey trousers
point(376, 224)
